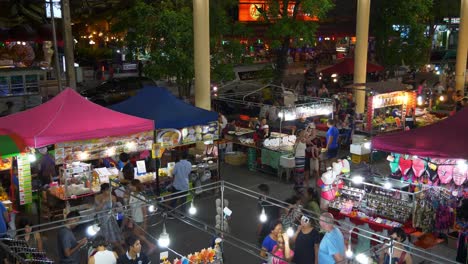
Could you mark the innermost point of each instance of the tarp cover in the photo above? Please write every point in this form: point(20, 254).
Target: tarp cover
point(158, 104)
point(70, 117)
point(346, 66)
point(445, 139)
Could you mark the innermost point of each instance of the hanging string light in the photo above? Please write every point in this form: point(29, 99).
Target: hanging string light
point(263, 217)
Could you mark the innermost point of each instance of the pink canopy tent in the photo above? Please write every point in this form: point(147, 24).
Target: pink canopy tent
point(346, 66)
point(445, 139)
point(70, 117)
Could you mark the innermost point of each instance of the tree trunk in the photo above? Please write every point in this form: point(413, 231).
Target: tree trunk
point(281, 61)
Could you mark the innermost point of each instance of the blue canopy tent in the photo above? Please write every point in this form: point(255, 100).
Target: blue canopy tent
point(167, 111)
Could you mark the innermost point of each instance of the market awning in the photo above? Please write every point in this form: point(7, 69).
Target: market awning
point(381, 87)
point(71, 117)
point(446, 139)
point(158, 104)
point(10, 144)
point(346, 67)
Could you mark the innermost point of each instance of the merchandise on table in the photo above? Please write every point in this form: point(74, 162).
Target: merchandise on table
point(205, 256)
point(386, 112)
point(76, 179)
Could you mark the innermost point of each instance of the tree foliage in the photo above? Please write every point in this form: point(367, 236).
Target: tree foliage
point(284, 25)
point(164, 29)
point(401, 33)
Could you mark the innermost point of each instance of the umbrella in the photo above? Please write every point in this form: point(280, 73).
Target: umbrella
point(346, 66)
point(381, 87)
point(10, 144)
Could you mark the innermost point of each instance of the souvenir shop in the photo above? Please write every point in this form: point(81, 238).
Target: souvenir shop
point(433, 160)
point(265, 124)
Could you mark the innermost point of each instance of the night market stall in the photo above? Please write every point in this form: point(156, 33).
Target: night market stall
point(434, 158)
point(80, 131)
point(177, 125)
point(266, 123)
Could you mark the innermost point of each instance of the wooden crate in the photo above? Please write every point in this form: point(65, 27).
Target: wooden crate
point(359, 158)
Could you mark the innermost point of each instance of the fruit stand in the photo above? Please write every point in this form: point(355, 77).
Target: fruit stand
point(386, 112)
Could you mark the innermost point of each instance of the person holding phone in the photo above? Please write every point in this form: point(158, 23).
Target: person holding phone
point(306, 238)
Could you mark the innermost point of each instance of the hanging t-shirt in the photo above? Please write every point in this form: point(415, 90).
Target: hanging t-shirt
point(305, 247)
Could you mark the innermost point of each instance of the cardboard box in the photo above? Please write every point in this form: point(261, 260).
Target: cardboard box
point(359, 149)
point(359, 158)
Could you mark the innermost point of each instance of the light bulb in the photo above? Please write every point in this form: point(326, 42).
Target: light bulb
point(83, 155)
point(357, 179)
point(151, 208)
point(192, 210)
point(164, 239)
point(110, 151)
point(263, 216)
point(387, 185)
point(367, 145)
point(92, 230)
point(349, 253)
point(215, 88)
point(290, 232)
point(441, 98)
point(362, 259)
point(31, 157)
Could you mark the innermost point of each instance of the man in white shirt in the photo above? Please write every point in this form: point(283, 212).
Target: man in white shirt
point(180, 180)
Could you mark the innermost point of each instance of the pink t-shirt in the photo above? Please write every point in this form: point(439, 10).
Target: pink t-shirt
point(279, 253)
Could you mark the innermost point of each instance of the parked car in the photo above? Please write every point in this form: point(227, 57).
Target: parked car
point(116, 90)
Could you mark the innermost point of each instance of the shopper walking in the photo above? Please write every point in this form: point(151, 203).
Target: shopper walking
point(134, 255)
point(300, 159)
point(398, 256)
point(24, 233)
point(332, 247)
point(282, 251)
point(271, 241)
point(307, 240)
point(180, 180)
point(314, 145)
point(104, 202)
point(67, 245)
point(102, 255)
point(137, 222)
point(332, 141)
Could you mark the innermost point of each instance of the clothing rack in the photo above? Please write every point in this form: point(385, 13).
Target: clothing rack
point(19, 251)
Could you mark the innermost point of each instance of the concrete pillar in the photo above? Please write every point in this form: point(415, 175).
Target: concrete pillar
point(201, 35)
point(462, 48)
point(360, 54)
point(68, 42)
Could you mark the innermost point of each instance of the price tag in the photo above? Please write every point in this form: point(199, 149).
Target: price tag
point(77, 169)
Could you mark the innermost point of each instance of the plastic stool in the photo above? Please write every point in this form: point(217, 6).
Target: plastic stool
point(282, 170)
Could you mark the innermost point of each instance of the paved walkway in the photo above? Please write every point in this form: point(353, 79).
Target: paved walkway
point(243, 224)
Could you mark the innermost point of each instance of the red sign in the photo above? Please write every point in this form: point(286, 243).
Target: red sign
point(248, 11)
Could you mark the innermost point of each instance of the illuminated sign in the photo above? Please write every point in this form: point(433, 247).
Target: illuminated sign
point(249, 11)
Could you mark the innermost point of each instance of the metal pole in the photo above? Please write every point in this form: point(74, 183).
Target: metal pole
point(462, 48)
point(54, 37)
point(68, 45)
point(222, 207)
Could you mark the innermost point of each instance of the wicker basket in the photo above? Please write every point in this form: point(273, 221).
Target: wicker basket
point(237, 158)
